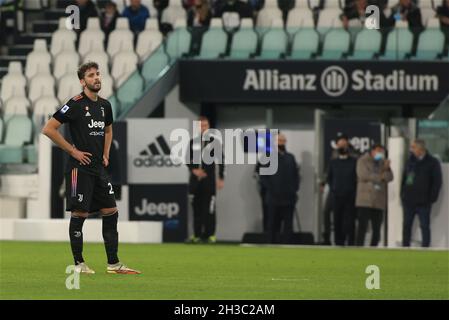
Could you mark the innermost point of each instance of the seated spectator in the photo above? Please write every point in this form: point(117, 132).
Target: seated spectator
point(243, 9)
point(109, 18)
point(443, 15)
point(200, 14)
point(356, 9)
point(187, 4)
point(408, 11)
point(87, 10)
point(137, 15)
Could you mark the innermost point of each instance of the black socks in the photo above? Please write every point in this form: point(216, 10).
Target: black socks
point(110, 236)
point(76, 238)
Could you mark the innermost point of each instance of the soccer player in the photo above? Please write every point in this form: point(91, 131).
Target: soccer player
point(88, 188)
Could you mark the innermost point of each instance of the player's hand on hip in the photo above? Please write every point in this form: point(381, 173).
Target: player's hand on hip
point(220, 184)
point(200, 173)
point(105, 161)
point(81, 156)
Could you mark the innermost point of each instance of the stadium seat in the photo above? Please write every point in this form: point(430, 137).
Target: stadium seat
point(115, 106)
point(153, 66)
point(231, 20)
point(173, 12)
point(41, 85)
point(433, 23)
point(100, 57)
point(427, 10)
point(328, 19)
point(305, 44)
point(430, 44)
point(178, 42)
point(13, 83)
point(121, 39)
point(367, 44)
point(298, 18)
point(38, 60)
point(43, 109)
point(130, 91)
point(244, 41)
point(62, 39)
point(149, 4)
point(274, 43)
point(19, 130)
point(302, 4)
point(267, 15)
point(148, 40)
point(399, 44)
point(214, 40)
point(336, 43)
point(65, 61)
point(123, 65)
point(2, 127)
point(16, 106)
point(107, 85)
point(69, 86)
point(91, 39)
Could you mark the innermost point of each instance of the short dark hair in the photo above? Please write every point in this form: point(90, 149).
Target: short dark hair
point(84, 67)
point(377, 145)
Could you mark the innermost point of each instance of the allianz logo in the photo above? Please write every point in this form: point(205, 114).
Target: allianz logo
point(169, 209)
point(335, 81)
point(156, 154)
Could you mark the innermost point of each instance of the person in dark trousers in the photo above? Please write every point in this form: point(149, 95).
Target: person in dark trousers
point(407, 10)
point(282, 189)
point(342, 180)
point(203, 185)
point(262, 188)
point(109, 18)
point(341, 142)
point(87, 10)
point(421, 184)
point(373, 175)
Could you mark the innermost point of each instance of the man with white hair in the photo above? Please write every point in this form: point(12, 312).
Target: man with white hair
point(421, 184)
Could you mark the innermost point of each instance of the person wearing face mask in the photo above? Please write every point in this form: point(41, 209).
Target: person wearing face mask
point(199, 15)
point(373, 175)
point(342, 180)
point(282, 189)
point(421, 184)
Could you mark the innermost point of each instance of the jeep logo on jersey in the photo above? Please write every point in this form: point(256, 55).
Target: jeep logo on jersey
point(169, 210)
point(157, 154)
point(96, 124)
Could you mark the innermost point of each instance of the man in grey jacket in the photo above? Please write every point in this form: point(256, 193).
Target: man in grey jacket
point(373, 175)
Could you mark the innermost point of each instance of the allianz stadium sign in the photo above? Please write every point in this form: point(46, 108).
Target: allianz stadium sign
point(288, 81)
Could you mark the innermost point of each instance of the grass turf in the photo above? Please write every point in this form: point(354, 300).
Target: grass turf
point(36, 270)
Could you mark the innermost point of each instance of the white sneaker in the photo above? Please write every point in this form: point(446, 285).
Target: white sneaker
point(120, 268)
point(83, 268)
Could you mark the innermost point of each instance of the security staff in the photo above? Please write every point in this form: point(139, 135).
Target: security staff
point(203, 185)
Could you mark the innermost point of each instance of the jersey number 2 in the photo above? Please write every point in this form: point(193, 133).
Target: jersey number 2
point(111, 191)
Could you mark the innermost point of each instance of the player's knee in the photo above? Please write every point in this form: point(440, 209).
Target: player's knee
point(79, 214)
point(108, 211)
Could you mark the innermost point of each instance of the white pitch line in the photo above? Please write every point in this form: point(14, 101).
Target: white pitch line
point(280, 279)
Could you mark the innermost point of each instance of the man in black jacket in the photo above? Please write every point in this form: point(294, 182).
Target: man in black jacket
point(342, 180)
point(421, 184)
point(282, 188)
point(203, 185)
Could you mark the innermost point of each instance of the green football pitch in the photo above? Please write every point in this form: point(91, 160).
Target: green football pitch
point(36, 270)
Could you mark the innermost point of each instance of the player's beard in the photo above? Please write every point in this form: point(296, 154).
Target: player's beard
point(93, 88)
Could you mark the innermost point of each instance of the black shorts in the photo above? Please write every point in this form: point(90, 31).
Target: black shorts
point(88, 193)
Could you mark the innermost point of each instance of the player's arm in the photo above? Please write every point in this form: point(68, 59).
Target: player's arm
point(51, 130)
point(107, 144)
